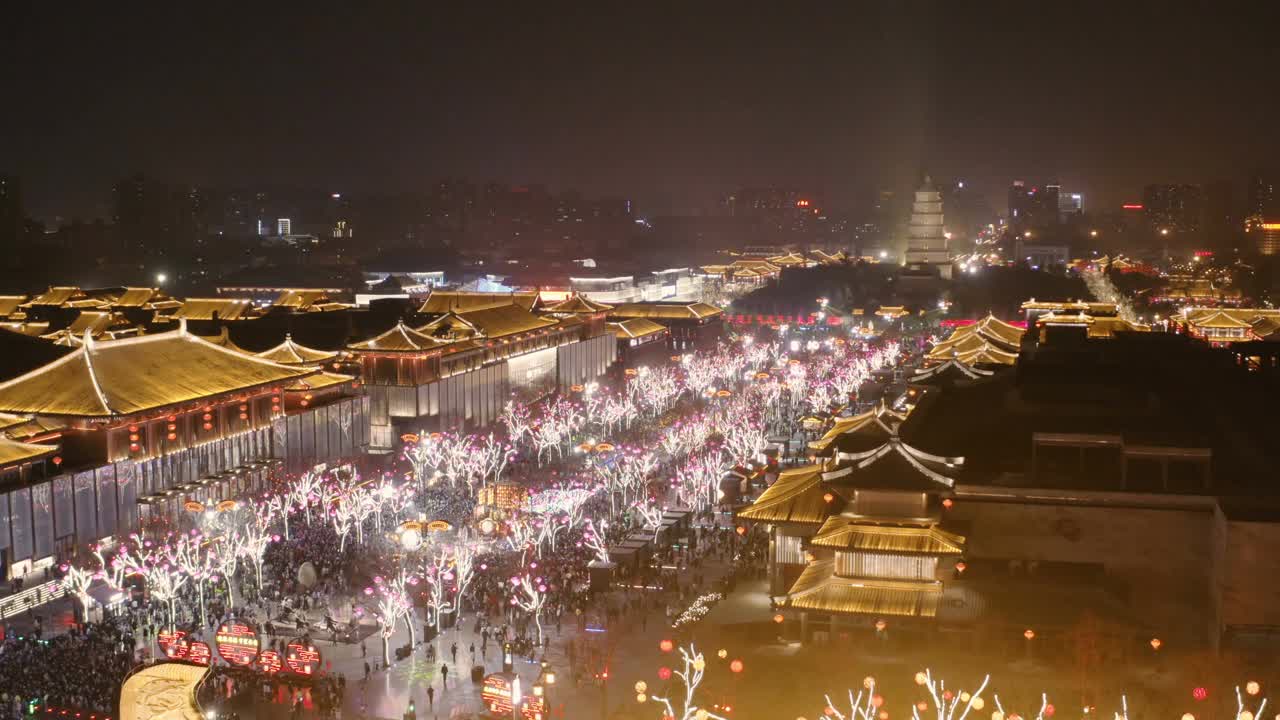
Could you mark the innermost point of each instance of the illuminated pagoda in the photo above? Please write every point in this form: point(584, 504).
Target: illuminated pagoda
point(926, 240)
point(857, 539)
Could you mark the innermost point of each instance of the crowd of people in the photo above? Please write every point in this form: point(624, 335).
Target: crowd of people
point(82, 669)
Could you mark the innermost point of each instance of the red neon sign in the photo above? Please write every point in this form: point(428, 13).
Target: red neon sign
point(1131, 206)
point(237, 643)
point(269, 662)
point(301, 659)
point(199, 653)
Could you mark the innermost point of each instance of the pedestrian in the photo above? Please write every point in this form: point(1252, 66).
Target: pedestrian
point(431, 696)
point(444, 676)
point(366, 670)
point(453, 651)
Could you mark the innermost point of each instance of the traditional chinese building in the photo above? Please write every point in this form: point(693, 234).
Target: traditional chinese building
point(139, 426)
point(692, 325)
point(989, 342)
point(459, 367)
point(857, 538)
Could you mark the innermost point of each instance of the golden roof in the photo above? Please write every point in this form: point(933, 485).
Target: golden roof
point(224, 308)
point(953, 364)
point(1092, 308)
point(986, 355)
point(291, 353)
point(301, 299)
point(26, 328)
point(443, 301)
point(668, 311)
point(789, 259)
point(400, 339)
point(876, 426)
point(320, 381)
point(1219, 319)
point(144, 297)
point(892, 311)
point(844, 533)
point(841, 426)
point(819, 588)
point(491, 322)
point(796, 497)
point(134, 375)
point(9, 304)
point(635, 328)
point(24, 427)
point(56, 296)
point(577, 304)
point(13, 452)
point(223, 339)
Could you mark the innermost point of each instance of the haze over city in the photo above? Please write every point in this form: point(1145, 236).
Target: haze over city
point(673, 361)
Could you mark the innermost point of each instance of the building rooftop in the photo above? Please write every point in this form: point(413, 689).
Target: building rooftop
point(125, 377)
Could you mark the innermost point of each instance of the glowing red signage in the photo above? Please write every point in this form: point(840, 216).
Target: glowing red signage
point(496, 694)
point(237, 642)
point(269, 661)
point(301, 658)
point(534, 707)
point(172, 643)
point(1132, 206)
point(199, 653)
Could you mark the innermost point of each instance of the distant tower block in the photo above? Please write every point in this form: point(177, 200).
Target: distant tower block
point(926, 241)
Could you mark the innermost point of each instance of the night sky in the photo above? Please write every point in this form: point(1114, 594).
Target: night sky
point(669, 104)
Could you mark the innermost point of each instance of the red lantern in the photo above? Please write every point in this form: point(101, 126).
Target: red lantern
point(947, 503)
point(960, 566)
point(1200, 693)
point(173, 426)
point(778, 618)
point(173, 436)
point(736, 666)
point(208, 426)
point(243, 407)
point(1049, 710)
point(664, 673)
point(133, 428)
point(666, 646)
point(244, 416)
point(208, 416)
point(133, 447)
point(742, 530)
point(133, 437)
point(57, 459)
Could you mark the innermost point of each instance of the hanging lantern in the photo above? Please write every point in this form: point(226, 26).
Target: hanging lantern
point(243, 407)
point(208, 416)
point(133, 428)
point(173, 426)
point(57, 459)
point(947, 503)
point(208, 426)
point(133, 447)
point(960, 566)
point(133, 437)
point(736, 666)
point(244, 416)
point(173, 436)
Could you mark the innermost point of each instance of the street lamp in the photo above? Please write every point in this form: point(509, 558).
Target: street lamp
point(161, 278)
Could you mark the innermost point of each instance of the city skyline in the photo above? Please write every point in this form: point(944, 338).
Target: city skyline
point(672, 110)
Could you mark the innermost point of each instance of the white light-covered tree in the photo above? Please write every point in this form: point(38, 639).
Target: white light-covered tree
point(305, 490)
point(448, 572)
point(651, 517)
point(195, 558)
point(530, 596)
point(516, 417)
point(391, 603)
point(945, 704)
point(691, 677)
point(595, 541)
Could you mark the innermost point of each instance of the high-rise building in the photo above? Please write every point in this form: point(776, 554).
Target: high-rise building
point(1069, 205)
point(284, 226)
point(1262, 196)
point(926, 239)
point(1175, 208)
point(1032, 206)
point(144, 214)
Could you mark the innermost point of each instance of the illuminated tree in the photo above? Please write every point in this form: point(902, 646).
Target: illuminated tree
point(530, 595)
point(691, 678)
point(448, 572)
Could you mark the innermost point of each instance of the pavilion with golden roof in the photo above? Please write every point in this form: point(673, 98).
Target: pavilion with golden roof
point(857, 538)
point(989, 342)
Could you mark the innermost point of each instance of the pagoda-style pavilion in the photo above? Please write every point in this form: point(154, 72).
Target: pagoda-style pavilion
point(856, 538)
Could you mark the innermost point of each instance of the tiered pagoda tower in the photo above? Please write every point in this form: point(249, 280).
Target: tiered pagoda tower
point(857, 538)
point(926, 240)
